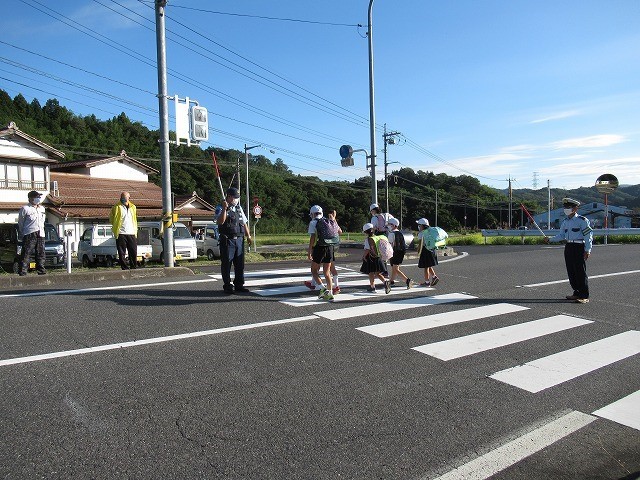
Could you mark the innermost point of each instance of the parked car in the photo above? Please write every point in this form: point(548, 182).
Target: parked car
point(184, 245)
point(11, 247)
point(209, 245)
point(98, 246)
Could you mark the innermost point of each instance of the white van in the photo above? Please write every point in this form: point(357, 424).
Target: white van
point(209, 244)
point(184, 245)
point(98, 246)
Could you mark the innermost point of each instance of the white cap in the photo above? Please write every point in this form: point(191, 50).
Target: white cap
point(367, 226)
point(315, 209)
point(373, 205)
point(423, 221)
point(393, 221)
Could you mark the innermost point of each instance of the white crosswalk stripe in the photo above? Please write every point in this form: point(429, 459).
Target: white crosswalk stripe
point(439, 319)
point(625, 411)
point(500, 337)
point(561, 367)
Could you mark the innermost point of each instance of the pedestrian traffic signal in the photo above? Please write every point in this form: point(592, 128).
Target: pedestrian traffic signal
point(199, 124)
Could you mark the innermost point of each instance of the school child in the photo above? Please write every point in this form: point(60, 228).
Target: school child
point(396, 239)
point(312, 284)
point(428, 258)
point(371, 261)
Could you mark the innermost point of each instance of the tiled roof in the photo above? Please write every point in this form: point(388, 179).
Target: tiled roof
point(92, 162)
point(82, 196)
point(82, 190)
point(11, 206)
point(12, 130)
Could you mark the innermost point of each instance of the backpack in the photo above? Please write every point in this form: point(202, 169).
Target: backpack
point(327, 231)
point(399, 244)
point(439, 234)
point(385, 250)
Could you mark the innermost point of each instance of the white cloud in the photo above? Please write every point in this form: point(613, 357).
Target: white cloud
point(96, 15)
point(593, 141)
point(557, 116)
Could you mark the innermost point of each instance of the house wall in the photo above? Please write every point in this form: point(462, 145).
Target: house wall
point(118, 170)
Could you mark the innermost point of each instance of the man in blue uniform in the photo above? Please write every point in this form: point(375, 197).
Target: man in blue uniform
point(576, 231)
point(232, 227)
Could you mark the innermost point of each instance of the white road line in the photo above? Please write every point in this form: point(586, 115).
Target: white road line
point(377, 308)
point(426, 322)
point(548, 371)
point(628, 272)
point(149, 341)
point(99, 289)
point(357, 295)
point(522, 447)
point(460, 256)
point(625, 411)
point(480, 342)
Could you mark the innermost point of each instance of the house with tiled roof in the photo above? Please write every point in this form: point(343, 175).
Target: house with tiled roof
point(81, 193)
point(25, 165)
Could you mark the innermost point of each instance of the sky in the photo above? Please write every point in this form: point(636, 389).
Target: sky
point(536, 91)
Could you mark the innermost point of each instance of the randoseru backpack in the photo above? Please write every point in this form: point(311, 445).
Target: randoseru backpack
point(327, 231)
point(399, 243)
point(385, 249)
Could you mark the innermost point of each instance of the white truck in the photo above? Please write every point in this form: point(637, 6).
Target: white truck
point(184, 245)
point(98, 246)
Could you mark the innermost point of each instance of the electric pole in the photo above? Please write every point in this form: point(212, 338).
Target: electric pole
point(388, 139)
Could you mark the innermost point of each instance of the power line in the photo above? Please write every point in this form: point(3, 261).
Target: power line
point(261, 17)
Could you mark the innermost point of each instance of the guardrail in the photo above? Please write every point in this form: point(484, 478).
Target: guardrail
point(552, 232)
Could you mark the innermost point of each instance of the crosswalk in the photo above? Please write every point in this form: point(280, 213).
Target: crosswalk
point(533, 376)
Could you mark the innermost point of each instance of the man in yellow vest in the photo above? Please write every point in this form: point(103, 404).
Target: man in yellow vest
point(124, 223)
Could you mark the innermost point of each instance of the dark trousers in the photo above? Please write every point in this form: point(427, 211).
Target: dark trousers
point(232, 252)
point(127, 244)
point(31, 243)
point(577, 269)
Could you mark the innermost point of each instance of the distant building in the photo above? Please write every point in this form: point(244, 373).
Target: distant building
point(619, 217)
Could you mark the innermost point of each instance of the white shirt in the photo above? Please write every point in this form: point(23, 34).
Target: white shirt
point(127, 222)
point(312, 225)
point(31, 219)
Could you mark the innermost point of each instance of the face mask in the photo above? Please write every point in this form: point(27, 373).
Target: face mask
point(123, 201)
point(235, 202)
point(568, 211)
point(36, 200)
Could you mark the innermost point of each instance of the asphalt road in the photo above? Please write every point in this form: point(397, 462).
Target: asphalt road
point(170, 378)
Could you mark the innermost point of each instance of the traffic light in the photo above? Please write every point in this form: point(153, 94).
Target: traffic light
point(199, 124)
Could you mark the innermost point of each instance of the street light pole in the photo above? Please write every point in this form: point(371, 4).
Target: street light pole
point(372, 114)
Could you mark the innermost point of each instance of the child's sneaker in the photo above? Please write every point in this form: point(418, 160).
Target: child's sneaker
point(336, 290)
point(425, 284)
point(387, 286)
point(410, 283)
point(309, 285)
point(323, 290)
point(327, 295)
point(434, 280)
point(393, 282)
point(371, 289)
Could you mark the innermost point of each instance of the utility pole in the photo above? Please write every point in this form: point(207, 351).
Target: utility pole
point(436, 208)
point(510, 200)
point(548, 203)
point(388, 139)
point(372, 110)
point(167, 204)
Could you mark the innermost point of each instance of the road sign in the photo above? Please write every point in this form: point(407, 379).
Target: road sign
point(257, 211)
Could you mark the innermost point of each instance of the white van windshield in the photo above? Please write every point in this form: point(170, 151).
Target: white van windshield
point(181, 232)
